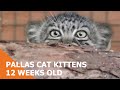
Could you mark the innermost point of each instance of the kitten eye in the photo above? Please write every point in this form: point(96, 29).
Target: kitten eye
point(55, 33)
point(81, 34)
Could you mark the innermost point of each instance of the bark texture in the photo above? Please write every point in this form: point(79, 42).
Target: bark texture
point(100, 64)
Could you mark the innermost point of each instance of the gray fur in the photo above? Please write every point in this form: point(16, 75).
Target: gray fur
point(70, 28)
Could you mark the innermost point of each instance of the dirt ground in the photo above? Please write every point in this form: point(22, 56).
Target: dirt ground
point(100, 64)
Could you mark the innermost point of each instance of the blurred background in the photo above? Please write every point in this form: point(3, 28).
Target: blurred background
point(13, 23)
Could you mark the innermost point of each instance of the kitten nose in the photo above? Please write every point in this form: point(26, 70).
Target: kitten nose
point(67, 39)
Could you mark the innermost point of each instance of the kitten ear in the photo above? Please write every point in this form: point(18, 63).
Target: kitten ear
point(36, 31)
point(31, 30)
point(105, 29)
point(105, 32)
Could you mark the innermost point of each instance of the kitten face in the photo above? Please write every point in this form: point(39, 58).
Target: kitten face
point(70, 28)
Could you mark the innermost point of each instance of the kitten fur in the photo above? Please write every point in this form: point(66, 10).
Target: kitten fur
point(70, 28)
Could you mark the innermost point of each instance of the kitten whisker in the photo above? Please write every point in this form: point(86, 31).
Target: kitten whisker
point(53, 16)
point(48, 17)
